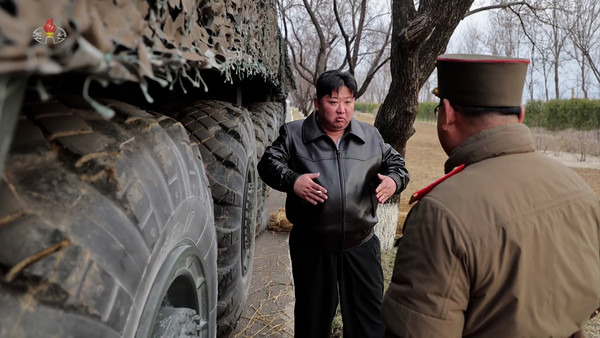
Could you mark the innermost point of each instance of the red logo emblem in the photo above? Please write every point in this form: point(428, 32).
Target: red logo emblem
point(49, 34)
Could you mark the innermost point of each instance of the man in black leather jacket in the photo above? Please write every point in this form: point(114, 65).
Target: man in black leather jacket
point(335, 171)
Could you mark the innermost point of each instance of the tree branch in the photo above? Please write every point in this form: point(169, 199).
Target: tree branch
point(347, 57)
point(375, 65)
point(370, 74)
point(359, 30)
point(498, 6)
point(525, 30)
point(320, 60)
point(303, 71)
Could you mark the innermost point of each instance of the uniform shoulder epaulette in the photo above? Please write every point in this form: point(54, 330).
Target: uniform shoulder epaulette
point(421, 193)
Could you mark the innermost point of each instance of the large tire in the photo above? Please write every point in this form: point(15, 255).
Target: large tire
point(266, 117)
point(11, 96)
point(273, 115)
point(226, 140)
point(125, 205)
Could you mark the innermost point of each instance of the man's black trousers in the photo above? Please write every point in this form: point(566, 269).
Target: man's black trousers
point(320, 276)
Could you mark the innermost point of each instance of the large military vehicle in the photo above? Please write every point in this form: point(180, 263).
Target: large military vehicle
point(129, 136)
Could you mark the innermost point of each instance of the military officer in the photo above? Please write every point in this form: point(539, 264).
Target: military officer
point(507, 244)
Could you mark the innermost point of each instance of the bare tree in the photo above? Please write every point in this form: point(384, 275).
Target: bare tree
point(550, 29)
point(303, 95)
point(531, 82)
point(584, 33)
point(425, 93)
point(418, 36)
point(471, 42)
point(420, 33)
point(505, 34)
point(581, 61)
point(378, 88)
point(554, 18)
point(351, 35)
point(366, 38)
point(541, 57)
point(309, 45)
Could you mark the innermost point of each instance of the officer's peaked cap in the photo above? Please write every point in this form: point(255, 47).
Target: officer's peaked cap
point(481, 80)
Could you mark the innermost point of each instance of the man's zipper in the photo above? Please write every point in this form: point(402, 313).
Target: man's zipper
point(343, 197)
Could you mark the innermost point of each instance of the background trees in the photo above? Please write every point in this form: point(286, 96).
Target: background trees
point(420, 32)
point(345, 34)
point(561, 38)
point(583, 30)
point(357, 35)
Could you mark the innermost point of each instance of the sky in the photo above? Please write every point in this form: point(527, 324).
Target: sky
point(568, 73)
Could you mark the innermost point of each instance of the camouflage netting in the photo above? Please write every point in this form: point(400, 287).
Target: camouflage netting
point(162, 40)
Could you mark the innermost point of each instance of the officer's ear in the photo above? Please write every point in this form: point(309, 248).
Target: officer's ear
point(448, 115)
point(522, 115)
point(316, 103)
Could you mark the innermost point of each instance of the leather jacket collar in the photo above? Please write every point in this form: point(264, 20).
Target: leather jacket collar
point(312, 130)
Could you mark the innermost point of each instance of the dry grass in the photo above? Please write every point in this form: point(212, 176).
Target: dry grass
point(277, 325)
point(425, 158)
point(269, 309)
point(278, 221)
point(581, 143)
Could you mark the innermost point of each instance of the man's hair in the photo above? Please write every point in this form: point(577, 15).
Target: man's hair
point(476, 110)
point(334, 79)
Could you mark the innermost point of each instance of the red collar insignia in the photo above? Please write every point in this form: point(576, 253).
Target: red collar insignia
point(421, 193)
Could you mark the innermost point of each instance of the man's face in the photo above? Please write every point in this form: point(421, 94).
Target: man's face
point(336, 109)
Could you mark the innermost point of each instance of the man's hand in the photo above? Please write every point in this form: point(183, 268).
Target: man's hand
point(385, 189)
point(308, 190)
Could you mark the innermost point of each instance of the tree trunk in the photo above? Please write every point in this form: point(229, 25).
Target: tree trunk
point(395, 123)
point(418, 37)
point(545, 75)
point(531, 74)
point(583, 87)
point(387, 214)
point(397, 114)
point(556, 86)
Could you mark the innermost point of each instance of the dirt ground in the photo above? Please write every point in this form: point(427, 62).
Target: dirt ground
point(269, 309)
point(425, 161)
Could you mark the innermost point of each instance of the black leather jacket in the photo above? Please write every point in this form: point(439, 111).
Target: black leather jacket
point(346, 219)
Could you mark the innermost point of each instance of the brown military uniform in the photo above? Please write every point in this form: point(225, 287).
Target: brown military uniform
point(509, 247)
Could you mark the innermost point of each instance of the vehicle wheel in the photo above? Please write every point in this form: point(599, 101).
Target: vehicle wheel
point(260, 128)
point(226, 140)
point(273, 115)
point(103, 224)
point(176, 322)
point(12, 89)
point(265, 116)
